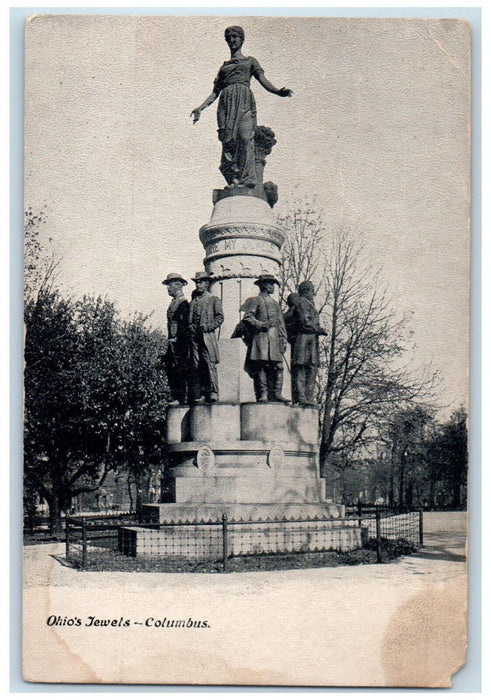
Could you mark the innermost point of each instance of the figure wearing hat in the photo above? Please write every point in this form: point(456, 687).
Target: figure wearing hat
point(266, 341)
point(205, 316)
point(177, 355)
point(302, 323)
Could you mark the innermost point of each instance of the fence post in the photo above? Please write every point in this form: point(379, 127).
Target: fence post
point(421, 527)
point(84, 543)
point(377, 530)
point(225, 542)
point(359, 513)
point(67, 538)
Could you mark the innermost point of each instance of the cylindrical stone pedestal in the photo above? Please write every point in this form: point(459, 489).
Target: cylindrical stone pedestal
point(242, 241)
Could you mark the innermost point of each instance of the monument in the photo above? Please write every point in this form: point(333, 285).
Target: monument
point(242, 450)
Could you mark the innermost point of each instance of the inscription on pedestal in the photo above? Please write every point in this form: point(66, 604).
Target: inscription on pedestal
point(242, 245)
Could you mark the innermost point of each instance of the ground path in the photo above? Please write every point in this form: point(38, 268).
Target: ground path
point(394, 623)
point(442, 557)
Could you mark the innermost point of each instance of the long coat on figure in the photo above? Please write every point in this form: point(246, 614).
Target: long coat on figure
point(304, 329)
point(205, 316)
point(177, 357)
point(264, 345)
point(266, 339)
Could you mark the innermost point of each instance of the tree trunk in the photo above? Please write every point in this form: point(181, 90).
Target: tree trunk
point(392, 496)
point(409, 494)
point(431, 496)
point(139, 503)
point(402, 476)
point(456, 495)
point(327, 425)
point(56, 505)
point(130, 495)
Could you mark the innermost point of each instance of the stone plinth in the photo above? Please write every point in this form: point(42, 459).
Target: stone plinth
point(248, 453)
point(235, 385)
point(206, 541)
point(280, 422)
point(250, 462)
point(203, 423)
point(182, 512)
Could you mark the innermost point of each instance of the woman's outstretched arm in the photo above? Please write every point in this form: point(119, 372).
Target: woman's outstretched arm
point(196, 113)
point(282, 92)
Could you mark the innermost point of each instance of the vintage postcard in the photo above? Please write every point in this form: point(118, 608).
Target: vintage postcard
point(246, 350)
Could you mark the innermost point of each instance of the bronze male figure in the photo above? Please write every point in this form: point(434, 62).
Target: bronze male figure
point(177, 354)
point(266, 341)
point(205, 317)
point(304, 329)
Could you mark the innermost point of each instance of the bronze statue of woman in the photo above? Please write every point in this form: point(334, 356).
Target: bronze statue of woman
point(236, 112)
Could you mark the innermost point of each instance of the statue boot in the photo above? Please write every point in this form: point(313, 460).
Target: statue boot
point(310, 377)
point(261, 385)
point(278, 387)
point(300, 385)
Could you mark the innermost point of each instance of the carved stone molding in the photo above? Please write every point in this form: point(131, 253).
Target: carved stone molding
point(244, 246)
point(213, 232)
point(252, 267)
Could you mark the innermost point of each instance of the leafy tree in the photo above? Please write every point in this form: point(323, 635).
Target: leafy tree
point(143, 396)
point(405, 435)
point(447, 461)
point(94, 396)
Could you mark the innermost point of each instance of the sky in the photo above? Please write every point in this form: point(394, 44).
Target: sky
point(377, 132)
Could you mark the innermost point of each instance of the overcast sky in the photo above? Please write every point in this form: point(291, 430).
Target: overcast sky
point(377, 131)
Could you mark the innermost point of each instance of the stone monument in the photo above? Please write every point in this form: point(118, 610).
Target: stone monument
point(248, 459)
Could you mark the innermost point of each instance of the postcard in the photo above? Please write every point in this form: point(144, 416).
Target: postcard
point(246, 350)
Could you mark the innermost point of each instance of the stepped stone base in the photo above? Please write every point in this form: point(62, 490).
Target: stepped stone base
point(258, 465)
point(273, 534)
point(181, 512)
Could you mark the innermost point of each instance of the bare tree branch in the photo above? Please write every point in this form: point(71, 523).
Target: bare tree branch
point(364, 372)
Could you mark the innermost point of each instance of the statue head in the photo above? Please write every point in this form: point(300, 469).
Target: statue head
point(232, 32)
point(174, 283)
point(306, 289)
point(202, 281)
point(266, 283)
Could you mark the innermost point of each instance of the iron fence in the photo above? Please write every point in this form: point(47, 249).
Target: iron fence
point(99, 540)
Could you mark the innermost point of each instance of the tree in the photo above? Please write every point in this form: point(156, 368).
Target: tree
point(144, 398)
point(447, 461)
point(95, 396)
point(40, 264)
point(405, 434)
point(364, 373)
point(303, 252)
